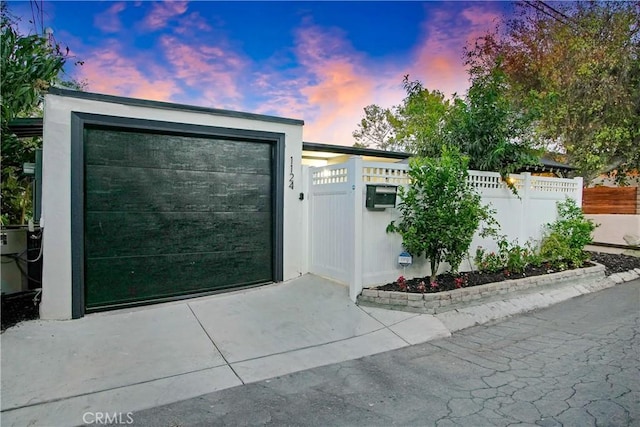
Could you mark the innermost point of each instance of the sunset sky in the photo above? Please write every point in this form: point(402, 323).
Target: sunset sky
point(322, 62)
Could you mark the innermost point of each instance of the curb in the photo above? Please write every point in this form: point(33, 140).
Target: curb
point(625, 276)
point(522, 297)
point(440, 302)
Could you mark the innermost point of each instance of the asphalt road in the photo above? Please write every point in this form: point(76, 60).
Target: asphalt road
point(574, 364)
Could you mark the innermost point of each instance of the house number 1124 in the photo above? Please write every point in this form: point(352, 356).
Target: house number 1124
point(291, 175)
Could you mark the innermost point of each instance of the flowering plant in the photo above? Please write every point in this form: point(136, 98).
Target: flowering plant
point(402, 283)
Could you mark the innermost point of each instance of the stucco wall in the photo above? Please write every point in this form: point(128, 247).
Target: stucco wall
point(612, 228)
point(56, 197)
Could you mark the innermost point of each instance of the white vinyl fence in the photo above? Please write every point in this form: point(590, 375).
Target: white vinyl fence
point(349, 243)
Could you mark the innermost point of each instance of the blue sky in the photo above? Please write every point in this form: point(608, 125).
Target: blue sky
point(318, 61)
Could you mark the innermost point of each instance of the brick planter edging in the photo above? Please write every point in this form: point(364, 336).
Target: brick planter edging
point(433, 303)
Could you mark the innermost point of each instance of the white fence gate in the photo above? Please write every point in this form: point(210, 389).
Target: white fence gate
point(349, 243)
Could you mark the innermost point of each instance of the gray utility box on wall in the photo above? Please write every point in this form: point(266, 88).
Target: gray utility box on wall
point(381, 196)
point(13, 245)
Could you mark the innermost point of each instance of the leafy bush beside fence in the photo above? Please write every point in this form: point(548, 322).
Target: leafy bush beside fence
point(440, 211)
point(564, 242)
point(562, 246)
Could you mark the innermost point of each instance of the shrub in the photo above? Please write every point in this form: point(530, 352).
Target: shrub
point(440, 211)
point(488, 262)
point(510, 256)
point(517, 258)
point(555, 250)
point(567, 236)
point(533, 254)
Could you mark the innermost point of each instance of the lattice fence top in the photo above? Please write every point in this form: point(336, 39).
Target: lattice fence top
point(493, 180)
point(397, 174)
point(554, 185)
point(485, 180)
point(387, 175)
point(334, 175)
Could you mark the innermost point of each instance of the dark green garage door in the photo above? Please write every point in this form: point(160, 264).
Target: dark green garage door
point(171, 215)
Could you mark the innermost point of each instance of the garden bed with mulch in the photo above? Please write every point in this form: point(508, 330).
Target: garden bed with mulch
point(448, 282)
point(614, 263)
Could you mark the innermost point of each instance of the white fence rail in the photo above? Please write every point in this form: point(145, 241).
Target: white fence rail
point(349, 243)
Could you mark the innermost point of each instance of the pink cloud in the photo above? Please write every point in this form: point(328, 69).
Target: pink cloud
point(335, 82)
point(109, 21)
point(329, 85)
point(162, 12)
point(107, 71)
point(330, 88)
point(438, 61)
point(212, 70)
point(480, 16)
point(192, 24)
point(282, 94)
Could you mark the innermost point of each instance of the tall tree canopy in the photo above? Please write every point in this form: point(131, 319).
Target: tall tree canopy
point(29, 64)
point(578, 66)
point(413, 126)
point(485, 125)
point(375, 129)
point(490, 128)
point(419, 119)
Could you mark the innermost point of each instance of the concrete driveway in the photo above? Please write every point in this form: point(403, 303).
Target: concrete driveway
point(574, 364)
point(56, 372)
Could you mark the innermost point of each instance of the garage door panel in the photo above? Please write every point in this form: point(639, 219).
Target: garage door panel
point(136, 189)
point(115, 281)
point(168, 215)
point(113, 234)
point(148, 150)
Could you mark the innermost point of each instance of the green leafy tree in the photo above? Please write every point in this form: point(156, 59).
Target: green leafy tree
point(29, 65)
point(414, 126)
point(440, 211)
point(419, 120)
point(488, 127)
point(578, 65)
point(375, 129)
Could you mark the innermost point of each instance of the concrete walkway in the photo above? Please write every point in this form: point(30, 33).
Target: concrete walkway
point(53, 372)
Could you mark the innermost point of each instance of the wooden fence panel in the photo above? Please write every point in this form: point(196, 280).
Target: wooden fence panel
point(611, 200)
